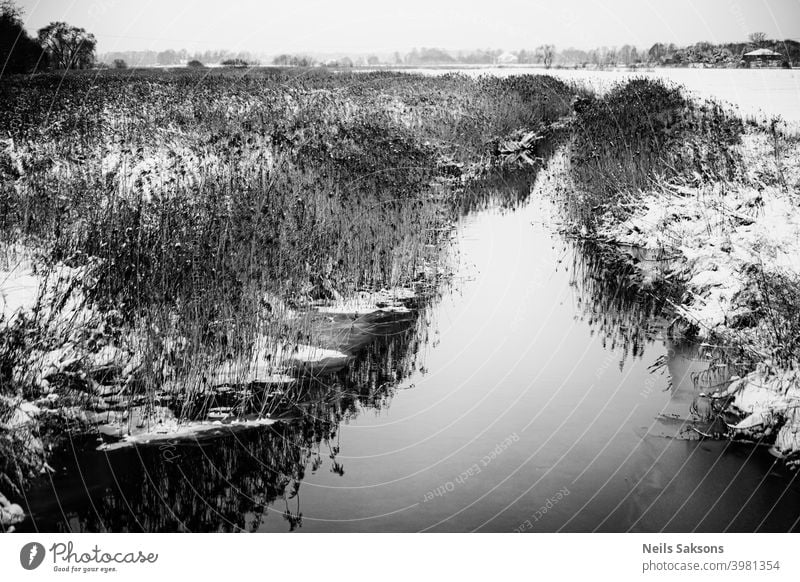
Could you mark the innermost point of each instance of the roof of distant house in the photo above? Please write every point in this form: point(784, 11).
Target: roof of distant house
point(762, 52)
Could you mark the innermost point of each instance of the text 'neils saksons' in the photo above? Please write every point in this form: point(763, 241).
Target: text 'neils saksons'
point(663, 548)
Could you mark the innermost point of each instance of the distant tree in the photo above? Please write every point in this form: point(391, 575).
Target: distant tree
point(721, 56)
point(373, 60)
point(546, 52)
point(525, 57)
point(625, 54)
point(19, 53)
point(234, 63)
point(429, 56)
point(195, 64)
point(609, 56)
point(67, 47)
point(573, 56)
point(168, 57)
point(757, 39)
point(480, 56)
point(120, 64)
point(295, 61)
point(657, 53)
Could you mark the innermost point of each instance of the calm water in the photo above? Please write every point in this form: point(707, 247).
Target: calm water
point(526, 397)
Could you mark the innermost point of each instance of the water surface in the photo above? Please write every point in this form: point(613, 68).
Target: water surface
point(526, 397)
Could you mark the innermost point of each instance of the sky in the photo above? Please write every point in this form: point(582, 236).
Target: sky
point(320, 26)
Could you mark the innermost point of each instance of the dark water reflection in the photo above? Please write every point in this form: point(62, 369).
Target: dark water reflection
point(235, 482)
point(539, 392)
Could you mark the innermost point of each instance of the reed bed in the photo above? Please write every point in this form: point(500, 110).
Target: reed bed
point(641, 133)
point(178, 219)
point(657, 171)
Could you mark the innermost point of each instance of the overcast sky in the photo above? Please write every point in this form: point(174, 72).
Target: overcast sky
point(358, 26)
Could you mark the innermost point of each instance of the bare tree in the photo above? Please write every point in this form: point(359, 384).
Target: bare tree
point(757, 39)
point(657, 52)
point(68, 47)
point(545, 54)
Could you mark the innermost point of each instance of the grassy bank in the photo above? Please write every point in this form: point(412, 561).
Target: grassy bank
point(642, 133)
point(170, 231)
point(718, 198)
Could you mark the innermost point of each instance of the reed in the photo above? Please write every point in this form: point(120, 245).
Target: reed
point(182, 216)
point(641, 133)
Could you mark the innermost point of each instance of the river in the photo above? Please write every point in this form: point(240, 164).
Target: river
point(535, 392)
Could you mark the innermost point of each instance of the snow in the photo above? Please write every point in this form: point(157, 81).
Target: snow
point(164, 427)
point(10, 513)
point(788, 437)
point(272, 360)
point(769, 399)
point(721, 230)
point(385, 300)
point(721, 234)
point(19, 290)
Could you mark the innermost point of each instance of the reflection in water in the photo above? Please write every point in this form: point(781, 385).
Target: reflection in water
point(610, 298)
point(628, 316)
point(233, 482)
point(431, 393)
point(711, 484)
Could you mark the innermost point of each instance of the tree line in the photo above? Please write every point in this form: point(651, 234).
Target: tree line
point(62, 46)
point(659, 54)
point(180, 57)
point(56, 46)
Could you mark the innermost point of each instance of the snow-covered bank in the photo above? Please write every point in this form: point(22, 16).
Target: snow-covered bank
point(726, 241)
point(67, 366)
point(95, 382)
point(10, 513)
point(18, 292)
point(768, 399)
point(725, 234)
point(160, 425)
point(363, 302)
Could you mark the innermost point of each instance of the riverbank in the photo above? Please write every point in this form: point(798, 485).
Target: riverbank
point(717, 202)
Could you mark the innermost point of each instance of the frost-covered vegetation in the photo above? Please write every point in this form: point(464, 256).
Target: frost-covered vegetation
point(718, 200)
point(170, 236)
point(179, 248)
